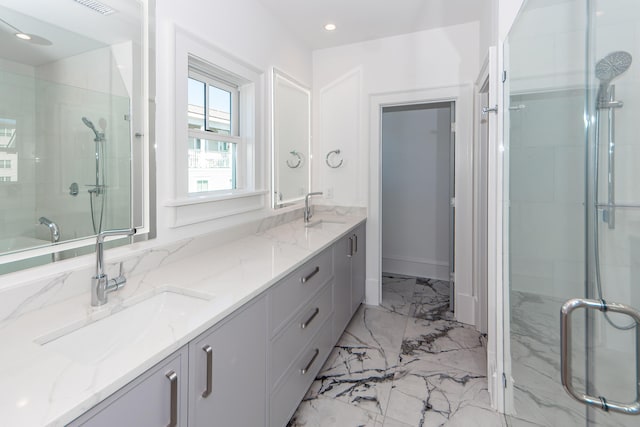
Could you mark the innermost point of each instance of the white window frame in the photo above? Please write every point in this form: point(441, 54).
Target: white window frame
point(208, 75)
point(250, 195)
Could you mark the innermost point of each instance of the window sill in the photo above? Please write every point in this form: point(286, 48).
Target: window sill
point(225, 195)
point(197, 209)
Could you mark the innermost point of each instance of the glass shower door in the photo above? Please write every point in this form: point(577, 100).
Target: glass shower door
point(573, 214)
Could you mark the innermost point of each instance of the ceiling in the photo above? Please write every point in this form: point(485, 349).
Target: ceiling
point(360, 20)
point(71, 28)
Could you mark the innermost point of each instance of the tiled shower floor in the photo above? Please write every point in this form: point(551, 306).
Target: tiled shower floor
point(402, 364)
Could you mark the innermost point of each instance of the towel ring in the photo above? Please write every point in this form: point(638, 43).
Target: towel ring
point(297, 165)
point(327, 159)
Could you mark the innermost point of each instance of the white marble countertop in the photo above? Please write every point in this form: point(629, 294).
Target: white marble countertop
point(42, 386)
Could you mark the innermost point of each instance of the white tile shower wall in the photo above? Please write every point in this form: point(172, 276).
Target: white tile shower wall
point(86, 85)
point(19, 294)
point(547, 191)
point(18, 103)
point(616, 29)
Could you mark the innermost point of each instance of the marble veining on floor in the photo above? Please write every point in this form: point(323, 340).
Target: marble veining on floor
point(404, 363)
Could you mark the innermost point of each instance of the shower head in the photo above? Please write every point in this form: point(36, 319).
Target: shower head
point(612, 65)
point(88, 123)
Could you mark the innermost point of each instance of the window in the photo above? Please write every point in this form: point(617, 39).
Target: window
point(213, 112)
point(5, 179)
point(5, 164)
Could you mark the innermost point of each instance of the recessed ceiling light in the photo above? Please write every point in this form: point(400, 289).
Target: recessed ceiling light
point(23, 36)
point(330, 27)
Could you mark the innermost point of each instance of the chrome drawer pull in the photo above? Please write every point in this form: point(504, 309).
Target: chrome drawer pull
point(207, 349)
point(355, 245)
point(173, 377)
point(313, 359)
point(306, 323)
point(313, 273)
point(350, 254)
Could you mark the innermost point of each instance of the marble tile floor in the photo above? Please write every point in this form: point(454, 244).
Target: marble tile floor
point(403, 364)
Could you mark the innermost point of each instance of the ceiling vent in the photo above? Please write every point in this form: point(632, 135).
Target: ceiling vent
point(101, 8)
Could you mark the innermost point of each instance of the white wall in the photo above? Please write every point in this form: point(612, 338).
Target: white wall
point(246, 31)
point(346, 78)
point(415, 191)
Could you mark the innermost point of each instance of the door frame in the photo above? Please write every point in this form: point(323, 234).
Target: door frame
point(462, 96)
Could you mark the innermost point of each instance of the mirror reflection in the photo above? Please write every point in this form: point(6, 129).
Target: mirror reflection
point(291, 139)
point(72, 100)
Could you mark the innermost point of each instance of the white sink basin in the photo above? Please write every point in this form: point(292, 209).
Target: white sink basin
point(106, 337)
point(324, 223)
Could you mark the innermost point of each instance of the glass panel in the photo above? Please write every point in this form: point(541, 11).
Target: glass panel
point(196, 103)
point(545, 188)
point(615, 255)
point(219, 111)
point(212, 165)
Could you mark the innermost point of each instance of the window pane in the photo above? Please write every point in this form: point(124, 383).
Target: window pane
point(212, 165)
point(219, 110)
point(195, 110)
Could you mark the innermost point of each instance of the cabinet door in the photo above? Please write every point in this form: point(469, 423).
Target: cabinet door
point(151, 400)
point(358, 268)
point(227, 371)
point(342, 285)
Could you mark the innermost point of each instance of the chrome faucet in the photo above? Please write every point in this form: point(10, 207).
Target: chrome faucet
point(101, 285)
point(53, 228)
point(307, 208)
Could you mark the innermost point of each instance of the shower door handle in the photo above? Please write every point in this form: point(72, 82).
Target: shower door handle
point(565, 354)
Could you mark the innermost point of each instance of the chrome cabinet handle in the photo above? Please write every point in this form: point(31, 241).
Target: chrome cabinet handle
point(307, 322)
point(355, 237)
point(313, 359)
point(173, 418)
point(209, 351)
point(565, 353)
point(313, 273)
point(350, 253)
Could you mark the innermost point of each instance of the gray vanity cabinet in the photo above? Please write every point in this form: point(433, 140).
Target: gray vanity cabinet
point(227, 371)
point(358, 267)
point(156, 398)
point(349, 263)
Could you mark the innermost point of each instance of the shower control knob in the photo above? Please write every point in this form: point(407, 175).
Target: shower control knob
point(74, 189)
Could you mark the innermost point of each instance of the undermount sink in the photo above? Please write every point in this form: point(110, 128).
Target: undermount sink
point(322, 223)
point(90, 343)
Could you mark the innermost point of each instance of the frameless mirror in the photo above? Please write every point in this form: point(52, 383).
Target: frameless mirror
point(73, 114)
point(291, 140)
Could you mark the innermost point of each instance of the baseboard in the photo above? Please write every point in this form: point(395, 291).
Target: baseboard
point(417, 268)
point(465, 309)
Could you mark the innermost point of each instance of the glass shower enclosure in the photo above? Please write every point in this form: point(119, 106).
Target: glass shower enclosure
point(572, 220)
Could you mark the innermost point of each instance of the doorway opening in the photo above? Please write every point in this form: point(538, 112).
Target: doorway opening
point(418, 212)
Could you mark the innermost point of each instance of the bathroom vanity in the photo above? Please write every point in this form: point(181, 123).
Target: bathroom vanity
point(235, 334)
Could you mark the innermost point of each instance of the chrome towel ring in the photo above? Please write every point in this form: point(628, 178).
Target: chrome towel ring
point(330, 163)
point(299, 160)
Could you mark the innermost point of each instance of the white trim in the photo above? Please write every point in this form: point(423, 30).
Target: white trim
point(462, 95)
point(186, 209)
point(217, 196)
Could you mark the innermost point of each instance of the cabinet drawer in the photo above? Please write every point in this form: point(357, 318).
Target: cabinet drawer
point(299, 331)
point(298, 287)
point(286, 397)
